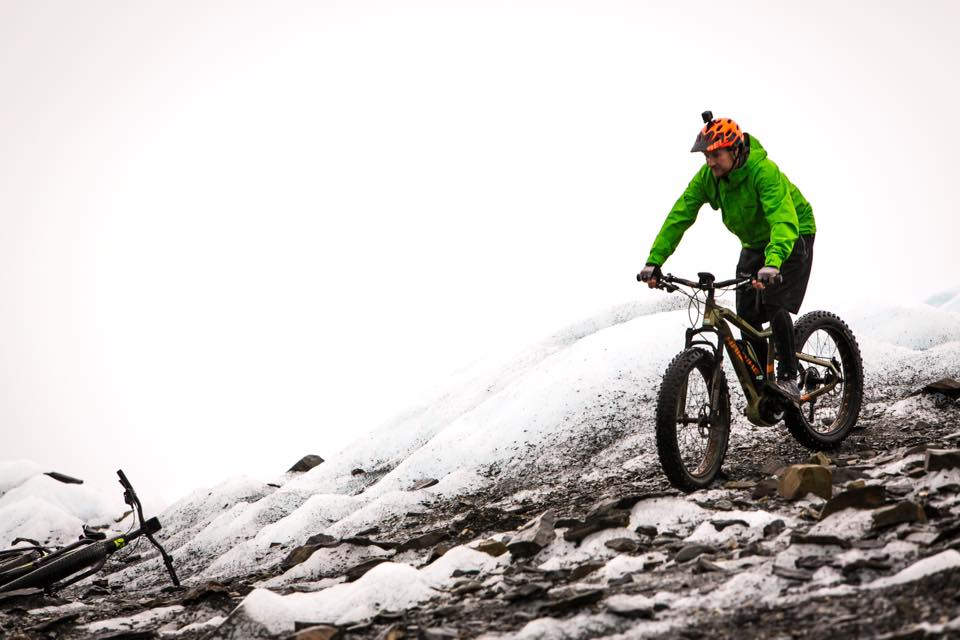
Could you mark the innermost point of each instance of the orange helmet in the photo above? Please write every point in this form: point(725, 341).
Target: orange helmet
point(721, 133)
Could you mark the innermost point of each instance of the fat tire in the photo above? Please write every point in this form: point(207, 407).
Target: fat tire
point(852, 400)
point(685, 363)
point(62, 567)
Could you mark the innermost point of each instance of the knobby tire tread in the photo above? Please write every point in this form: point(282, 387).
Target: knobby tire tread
point(684, 364)
point(60, 568)
point(848, 349)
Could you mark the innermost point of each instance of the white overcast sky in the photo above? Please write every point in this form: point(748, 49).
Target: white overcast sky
point(232, 233)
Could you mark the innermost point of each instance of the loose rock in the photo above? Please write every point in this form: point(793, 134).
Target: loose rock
point(897, 514)
point(800, 479)
point(359, 570)
point(494, 548)
point(306, 463)
point(691, 551)
point(533, 536)
point(317, 632)
point(774, 528)
point(819, 458)
point(423, 484)
point(622, 545)
point(597, 523)
point(938, 459)
point(867, 497)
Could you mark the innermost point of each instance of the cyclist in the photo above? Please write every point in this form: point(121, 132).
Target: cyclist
point(773, 221)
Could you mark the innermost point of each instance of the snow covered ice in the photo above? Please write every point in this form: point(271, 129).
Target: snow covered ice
point(497, 420)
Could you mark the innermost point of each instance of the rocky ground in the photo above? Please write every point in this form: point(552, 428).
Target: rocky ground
point(602, 546)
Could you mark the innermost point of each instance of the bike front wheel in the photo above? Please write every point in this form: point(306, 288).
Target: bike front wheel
point(693, 422)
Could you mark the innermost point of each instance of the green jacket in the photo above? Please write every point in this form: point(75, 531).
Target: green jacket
point(758, 204)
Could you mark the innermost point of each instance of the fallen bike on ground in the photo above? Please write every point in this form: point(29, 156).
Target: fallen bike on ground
point(693, 405)
point(38, 566)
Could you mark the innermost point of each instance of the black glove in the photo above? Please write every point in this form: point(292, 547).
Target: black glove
point(651, 271)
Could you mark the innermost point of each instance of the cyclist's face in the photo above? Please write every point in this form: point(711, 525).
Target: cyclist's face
point(720, 161)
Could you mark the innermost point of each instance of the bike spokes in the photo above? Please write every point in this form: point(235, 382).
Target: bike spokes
point(693, 423)
point(824, 410)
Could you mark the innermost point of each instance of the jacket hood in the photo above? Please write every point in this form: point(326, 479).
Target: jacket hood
point(757, 154)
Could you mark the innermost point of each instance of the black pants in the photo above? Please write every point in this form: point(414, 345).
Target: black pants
point(775, 303)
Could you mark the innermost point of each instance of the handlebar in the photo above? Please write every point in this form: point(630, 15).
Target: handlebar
point(668, 282)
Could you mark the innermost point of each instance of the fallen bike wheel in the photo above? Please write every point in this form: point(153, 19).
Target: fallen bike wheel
point(692, 433)
point(825, 420)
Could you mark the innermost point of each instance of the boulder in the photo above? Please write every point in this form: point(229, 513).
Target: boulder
point(306, 463)
point(938, 459)
point(533, 536)
point(866, 497)
point(899, 513)
point(800, 479)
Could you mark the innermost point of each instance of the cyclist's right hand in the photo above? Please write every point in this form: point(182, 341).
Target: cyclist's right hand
point(651, 275)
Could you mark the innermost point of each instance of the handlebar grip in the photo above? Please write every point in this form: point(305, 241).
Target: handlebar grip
point(123, 479)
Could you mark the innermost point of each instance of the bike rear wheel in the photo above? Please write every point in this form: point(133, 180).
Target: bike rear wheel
point(692, 429)
point(824, 421)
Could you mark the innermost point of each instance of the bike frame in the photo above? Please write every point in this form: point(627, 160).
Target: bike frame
point(717, 319)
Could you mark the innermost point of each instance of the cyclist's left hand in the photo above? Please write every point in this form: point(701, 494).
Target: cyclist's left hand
point(765, 276)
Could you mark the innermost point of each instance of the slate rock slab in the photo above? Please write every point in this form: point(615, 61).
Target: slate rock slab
point(533, 536)
point(576, 601)
point(899, 513)
point(820, 540)
point(318, 632)
point(423, 484)
point(597, 523)
point(867, 497)
point(358, 571)
point(938, 459)
point(306, 463)
point(691, 551)
point(622, 545)
point(494, 548)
